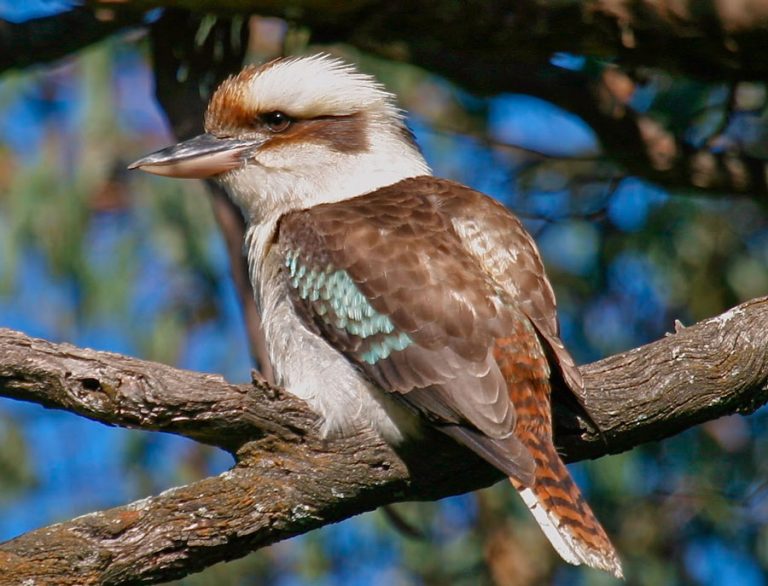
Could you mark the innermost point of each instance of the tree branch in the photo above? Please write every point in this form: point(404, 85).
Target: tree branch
point(455, 42)
point(710, 40)
point(514, 57)
point(288, 480)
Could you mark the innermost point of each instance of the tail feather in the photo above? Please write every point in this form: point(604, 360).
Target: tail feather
point(565, 517)
point(553, 497)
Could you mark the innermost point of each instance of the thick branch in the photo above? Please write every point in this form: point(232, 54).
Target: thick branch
point(716, 367)
point(288, 480)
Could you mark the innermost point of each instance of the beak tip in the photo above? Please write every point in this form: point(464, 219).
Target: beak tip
point(140, 163)
point(197, 158)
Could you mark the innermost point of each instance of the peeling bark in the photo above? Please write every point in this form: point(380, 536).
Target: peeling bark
point(287, 480)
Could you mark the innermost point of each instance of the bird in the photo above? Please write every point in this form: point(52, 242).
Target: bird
point(421, 301)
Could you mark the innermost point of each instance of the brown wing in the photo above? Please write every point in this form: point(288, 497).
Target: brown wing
point(386, 280)
point(498, 241)
point(438, 294)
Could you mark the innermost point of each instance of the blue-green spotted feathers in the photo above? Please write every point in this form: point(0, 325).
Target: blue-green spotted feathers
point(338, 302)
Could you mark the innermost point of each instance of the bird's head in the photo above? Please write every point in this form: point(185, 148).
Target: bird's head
point(293, 133)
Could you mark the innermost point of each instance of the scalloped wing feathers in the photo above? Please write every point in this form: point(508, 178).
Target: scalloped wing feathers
point(388, 281)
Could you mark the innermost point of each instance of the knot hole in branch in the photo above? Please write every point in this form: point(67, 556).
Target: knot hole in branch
point(90, 384)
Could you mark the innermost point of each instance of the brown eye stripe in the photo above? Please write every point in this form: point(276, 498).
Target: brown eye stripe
point(227, 115)
point(344, 134)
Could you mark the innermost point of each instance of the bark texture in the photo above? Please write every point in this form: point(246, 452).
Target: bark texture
point(288, 481)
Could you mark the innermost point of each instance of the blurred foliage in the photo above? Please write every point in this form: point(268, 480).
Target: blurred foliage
point(130, 263)
point(16, 472)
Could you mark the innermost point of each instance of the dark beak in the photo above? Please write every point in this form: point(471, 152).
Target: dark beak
point(203, 156)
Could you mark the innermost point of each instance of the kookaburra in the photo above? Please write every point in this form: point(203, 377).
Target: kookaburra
point(391, 298)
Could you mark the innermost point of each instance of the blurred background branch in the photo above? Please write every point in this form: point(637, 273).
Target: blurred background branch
point(42, 40)
point(489, 48)
point(709, 39)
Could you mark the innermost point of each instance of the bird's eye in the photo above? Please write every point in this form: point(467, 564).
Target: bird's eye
point(276, 121)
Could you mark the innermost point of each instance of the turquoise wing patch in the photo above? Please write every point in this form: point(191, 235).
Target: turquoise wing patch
point(335, 299)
